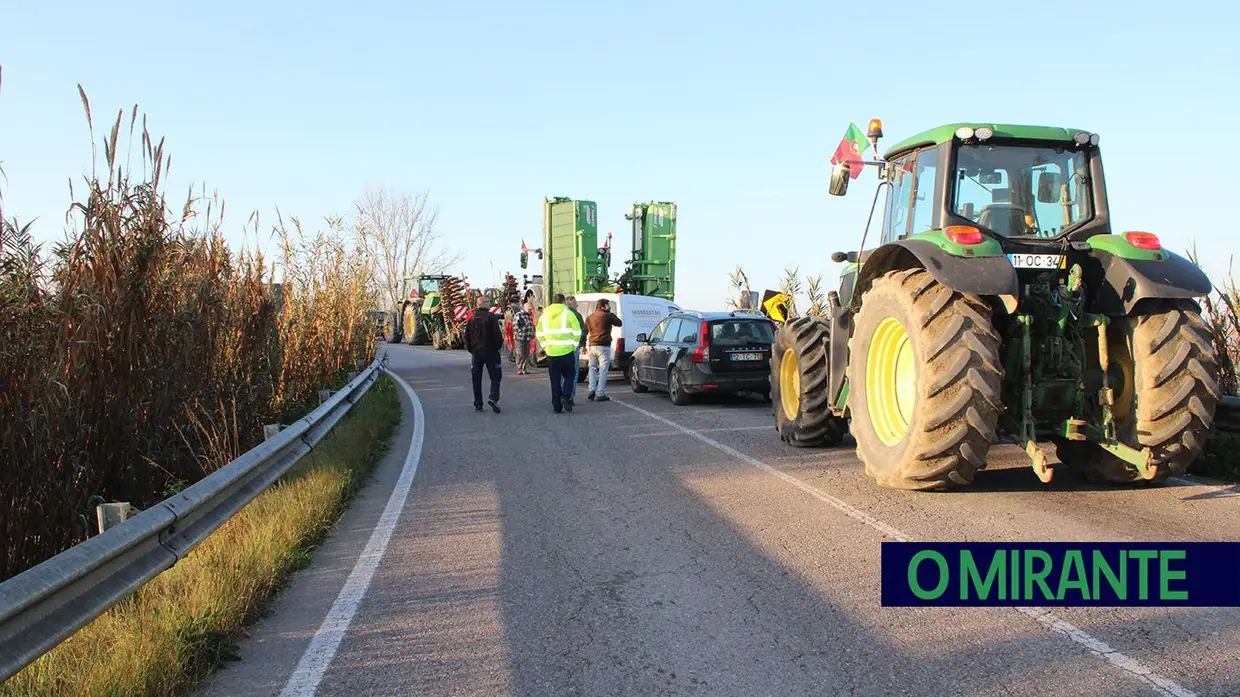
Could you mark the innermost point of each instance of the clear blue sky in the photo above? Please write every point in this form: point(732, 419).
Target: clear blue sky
point(730, 109)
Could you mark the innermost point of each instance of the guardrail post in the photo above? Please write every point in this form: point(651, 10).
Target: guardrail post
point(324, 395)
point(42, 606)
point(353, 375)
point(109, 515)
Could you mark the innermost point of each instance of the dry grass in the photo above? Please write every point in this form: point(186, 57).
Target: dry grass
point(178, 627)
point(143, 352)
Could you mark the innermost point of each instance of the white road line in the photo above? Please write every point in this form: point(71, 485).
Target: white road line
point(1196, 480)
point(1161, 685)
point(322, 649)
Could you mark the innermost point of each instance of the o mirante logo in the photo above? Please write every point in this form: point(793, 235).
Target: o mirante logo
point(1200, 574)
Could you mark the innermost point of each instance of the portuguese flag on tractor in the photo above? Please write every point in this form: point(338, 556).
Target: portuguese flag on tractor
point(849, 150)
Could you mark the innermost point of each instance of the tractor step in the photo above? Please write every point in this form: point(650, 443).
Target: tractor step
point(1045, 458)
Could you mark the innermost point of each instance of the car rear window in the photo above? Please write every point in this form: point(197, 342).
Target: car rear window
point(741, 332)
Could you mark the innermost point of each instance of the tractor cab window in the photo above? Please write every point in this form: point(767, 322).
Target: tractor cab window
point(1022, 191)
point(923, 193)
point(895, 220)
point(430, 286)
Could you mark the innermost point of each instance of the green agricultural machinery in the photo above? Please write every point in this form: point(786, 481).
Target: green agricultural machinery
point(418, 318)
point(999, 306)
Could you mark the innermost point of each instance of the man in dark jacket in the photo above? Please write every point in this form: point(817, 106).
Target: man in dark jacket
point(598, 329)
point(483, 340)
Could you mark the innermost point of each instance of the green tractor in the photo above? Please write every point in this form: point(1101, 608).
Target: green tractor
point(419, 316)
point(1000, 307)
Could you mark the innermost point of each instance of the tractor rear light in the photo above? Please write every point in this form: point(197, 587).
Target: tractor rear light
point(1143, 240)
point(964, 234)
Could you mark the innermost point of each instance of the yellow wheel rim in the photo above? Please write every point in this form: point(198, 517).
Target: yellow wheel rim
point(891, 381)
point(790, 385)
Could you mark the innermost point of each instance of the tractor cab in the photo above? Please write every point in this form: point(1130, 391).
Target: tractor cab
point(975, 190)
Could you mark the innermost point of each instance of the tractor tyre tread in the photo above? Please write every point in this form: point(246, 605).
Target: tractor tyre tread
point(959, 400)
point(1177, 392)
point(815, 425)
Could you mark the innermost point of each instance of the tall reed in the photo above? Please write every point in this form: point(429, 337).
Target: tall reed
point(143, 352)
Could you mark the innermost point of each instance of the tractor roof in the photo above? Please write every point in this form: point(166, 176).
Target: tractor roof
point(942, 134)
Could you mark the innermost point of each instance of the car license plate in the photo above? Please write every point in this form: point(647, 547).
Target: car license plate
point(1037, 261)
point(746, 356)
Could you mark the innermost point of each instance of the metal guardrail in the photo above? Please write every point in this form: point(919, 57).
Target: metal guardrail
point(46, 604)
point(1227, 416)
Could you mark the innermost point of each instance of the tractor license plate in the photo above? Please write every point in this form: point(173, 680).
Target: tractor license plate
point(1037, 261)
point(746, 356)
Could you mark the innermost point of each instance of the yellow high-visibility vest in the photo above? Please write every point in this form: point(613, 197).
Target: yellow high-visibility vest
point(558, 331)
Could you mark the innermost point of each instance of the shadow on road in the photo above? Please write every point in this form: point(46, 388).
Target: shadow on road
point(630, 563)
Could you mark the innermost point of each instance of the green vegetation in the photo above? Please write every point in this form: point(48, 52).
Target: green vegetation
point(143, 352)
point(177, 628)
point(1222, 455)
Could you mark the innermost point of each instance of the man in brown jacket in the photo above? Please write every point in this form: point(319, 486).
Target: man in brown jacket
point(598, 329)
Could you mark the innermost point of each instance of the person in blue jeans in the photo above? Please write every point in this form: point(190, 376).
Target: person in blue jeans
point(483, 340)
point(571, 302)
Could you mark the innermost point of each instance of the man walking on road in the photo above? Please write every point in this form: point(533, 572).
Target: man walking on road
point(523, 335)
point(598, 327)
point(483, 340)
point(571, 302)
point(559, 334)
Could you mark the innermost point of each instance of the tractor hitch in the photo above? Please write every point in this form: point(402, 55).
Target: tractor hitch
point(1045, 458)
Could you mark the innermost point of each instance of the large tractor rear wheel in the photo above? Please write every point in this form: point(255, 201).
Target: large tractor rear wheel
point(410, 324)
point(421, 336)
point(1164, 377)
point(800, 389)
point(924, 382)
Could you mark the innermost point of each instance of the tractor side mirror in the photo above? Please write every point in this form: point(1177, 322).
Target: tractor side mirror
point(642, 338)
point(991, 177)
point(839, 179)
point(1048, 187)
point(840, 257)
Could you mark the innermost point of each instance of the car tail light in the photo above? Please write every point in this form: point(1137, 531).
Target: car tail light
point(1143, 240)
point(964, 234)
point(699, 353)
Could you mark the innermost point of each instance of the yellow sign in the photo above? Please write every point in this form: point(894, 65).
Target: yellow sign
point(776, 305)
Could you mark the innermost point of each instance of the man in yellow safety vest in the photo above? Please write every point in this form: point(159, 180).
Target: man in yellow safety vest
point(558, 334)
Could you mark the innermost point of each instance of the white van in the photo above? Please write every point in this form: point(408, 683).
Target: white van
point(639, 313)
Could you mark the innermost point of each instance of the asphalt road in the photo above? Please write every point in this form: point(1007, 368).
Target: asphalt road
point(637, 548)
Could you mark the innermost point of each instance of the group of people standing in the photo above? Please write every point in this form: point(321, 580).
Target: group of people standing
point(562, 333)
